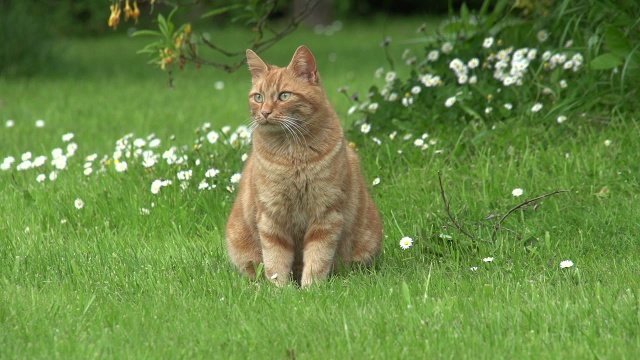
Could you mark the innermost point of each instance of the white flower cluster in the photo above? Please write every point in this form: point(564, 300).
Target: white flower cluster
point(574, 63)
point(462, 70)
point(430, 80)
point(511, 66)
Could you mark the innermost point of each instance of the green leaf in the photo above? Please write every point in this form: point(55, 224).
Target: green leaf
point(464, 13)
point(605, 62)
point(163, 26)
point(471, 112)
point(484, 8)
point(406, 294)
point(220, 11)
point(147, 33)
point(498, 12)
point(617, 42)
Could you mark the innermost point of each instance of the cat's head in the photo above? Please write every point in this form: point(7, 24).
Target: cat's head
point(281, 96)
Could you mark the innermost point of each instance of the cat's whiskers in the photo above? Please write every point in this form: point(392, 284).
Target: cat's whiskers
point(252, 125)
point(294, 125)
point(289, 128)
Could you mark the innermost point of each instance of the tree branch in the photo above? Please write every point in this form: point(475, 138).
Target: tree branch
point(448, 210)
point(519, 206)
point(259, 45)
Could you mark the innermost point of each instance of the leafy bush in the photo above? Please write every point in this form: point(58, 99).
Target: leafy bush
point(510, 62)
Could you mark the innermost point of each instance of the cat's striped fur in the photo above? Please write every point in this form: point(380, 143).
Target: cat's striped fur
point(302, 207)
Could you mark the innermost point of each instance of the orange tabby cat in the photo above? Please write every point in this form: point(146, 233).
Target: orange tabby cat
point(302, 206)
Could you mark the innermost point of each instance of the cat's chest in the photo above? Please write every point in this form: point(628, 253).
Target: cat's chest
point(298, 189)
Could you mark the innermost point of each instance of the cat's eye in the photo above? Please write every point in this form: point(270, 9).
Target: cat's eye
point(258, 98)
point(284, 96)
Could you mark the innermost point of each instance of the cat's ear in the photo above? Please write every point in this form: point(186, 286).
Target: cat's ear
point(256, 65)
point(303, 65)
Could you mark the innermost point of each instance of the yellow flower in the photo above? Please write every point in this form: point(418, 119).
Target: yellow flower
point(127, 11)
point(178, 41)
point(136, 12)
point(114, 18)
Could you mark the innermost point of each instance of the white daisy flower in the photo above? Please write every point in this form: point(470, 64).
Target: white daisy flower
point(41, 178)
point(185, 175)
point(9, 123)
point(536, 107)
point(213, 137)
point(218, 85)
point(71, 149)
point(447, 47)
point(91, 158)
point(542, 35)
point(139, 142)
point(416, 90)
point(67, 137)
point(235, 178)
point(25, 165)
point(78, 203)
point(60, 162)
point(365, 128)
point(156, 185)
point(211, 173)
point(148, 162)
point(517, 192)
point(376, 181)
point(39, 123)
point(488, 259)
point(406, 242)
point(121, 166)
point(487, 43)
point(566, 264)
point(39, 161)
point(450, 101)
point(561, 119)
point(391, 75)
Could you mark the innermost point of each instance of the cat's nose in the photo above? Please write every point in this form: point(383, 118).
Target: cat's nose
point(265, 113)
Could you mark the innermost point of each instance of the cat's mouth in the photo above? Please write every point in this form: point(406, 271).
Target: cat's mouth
point(267, 122)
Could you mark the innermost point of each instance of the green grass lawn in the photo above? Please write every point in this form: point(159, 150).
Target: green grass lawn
point(134, 274)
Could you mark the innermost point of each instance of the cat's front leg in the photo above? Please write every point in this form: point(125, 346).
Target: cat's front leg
point(320, 246)
point(277, 251)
